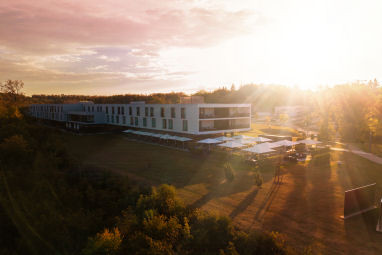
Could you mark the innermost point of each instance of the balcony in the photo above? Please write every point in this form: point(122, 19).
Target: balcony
point(223, 112)
point(221, 125)
point(81, 117)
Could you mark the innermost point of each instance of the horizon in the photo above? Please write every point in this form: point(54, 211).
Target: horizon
point(148, 47)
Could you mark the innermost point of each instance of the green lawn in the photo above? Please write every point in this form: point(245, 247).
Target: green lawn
point(305, 207)
point(258, 129)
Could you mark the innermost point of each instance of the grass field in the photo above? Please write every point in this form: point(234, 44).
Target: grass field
point(306, 207)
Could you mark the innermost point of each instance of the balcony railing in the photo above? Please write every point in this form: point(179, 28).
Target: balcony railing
point(217, 116)
point(223, 128)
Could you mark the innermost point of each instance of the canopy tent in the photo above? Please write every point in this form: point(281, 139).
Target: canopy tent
point(183, 139)
point(141, 133)
point(245, 141)
point(231, 144)
point(283, 143)
point(242, 137)
point(308, 142)
point(258, 150)
point(261, 139)
point(155, 135)
point(209, 141)
point(266, 145)
point(128, 131)
point(224, 138)
point(167, 137)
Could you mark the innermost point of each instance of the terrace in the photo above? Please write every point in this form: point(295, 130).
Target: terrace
point(223, 112)
point(226, 124)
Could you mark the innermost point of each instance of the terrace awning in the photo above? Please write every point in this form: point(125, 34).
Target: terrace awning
point(309, 142)
point(283, 143)
point(209, 141)
point(231, 144)
point(182, 139)
point(258, 150)
point(224, 138)
point(245, 141)
point(261, 139)
point(242, 137)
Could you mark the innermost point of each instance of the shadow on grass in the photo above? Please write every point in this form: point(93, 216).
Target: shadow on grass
point(244, 203)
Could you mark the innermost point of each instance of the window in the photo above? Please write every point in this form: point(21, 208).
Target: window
point(146, 111)
point(119, 110)
point(136, 121)
point(151, 111)
point(172, 112)
point(123, 110)
point(138, 111)
point(185, 125)
point(183, 113)
point(130, 111)
point(107, 109)
point(123, 119)
point(131, 121)
point(88, 108)
point(153, 122)
point(92, 108)
point(164, 124)
point(117, 119)
point(170, 124)
point(112, 118)
point(145, 122)
point(112, 110)
point(107, 119)
point(162, 112)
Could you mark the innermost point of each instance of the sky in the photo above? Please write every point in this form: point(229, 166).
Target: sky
point(144, 46)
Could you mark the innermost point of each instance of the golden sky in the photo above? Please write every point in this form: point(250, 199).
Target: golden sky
point(144, 46)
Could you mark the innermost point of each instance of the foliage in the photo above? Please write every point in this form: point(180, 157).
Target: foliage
point(107, 242)
point(229, 172)
point(258, 178)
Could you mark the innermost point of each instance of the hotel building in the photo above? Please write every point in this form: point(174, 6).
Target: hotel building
point(188, 118)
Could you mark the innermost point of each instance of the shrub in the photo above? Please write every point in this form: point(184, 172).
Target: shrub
point(258, 179)
point(229, 173)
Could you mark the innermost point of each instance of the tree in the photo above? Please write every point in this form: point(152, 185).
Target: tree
point(283, 118)
point(107, 243)
point(372, 123)
point(229, 173)
point(12, 88)
point(258, 179)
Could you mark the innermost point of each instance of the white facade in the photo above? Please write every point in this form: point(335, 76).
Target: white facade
point(194, 119)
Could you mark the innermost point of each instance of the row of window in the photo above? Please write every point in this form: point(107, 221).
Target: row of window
point(47, 108)
point(120, 110)
point(134, 121)
point(149, 111)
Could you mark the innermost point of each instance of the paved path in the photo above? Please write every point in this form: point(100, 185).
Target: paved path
point(363, 154)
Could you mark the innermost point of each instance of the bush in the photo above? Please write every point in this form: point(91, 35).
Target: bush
point(258, 179)
point(229, 172)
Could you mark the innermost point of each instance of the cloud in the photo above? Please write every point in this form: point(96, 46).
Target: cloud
point(43, 27)
point(77, 42)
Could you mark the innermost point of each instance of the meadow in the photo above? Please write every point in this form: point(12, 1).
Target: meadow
point(306, 206)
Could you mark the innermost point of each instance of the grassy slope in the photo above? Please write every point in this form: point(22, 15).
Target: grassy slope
point(306, 206)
